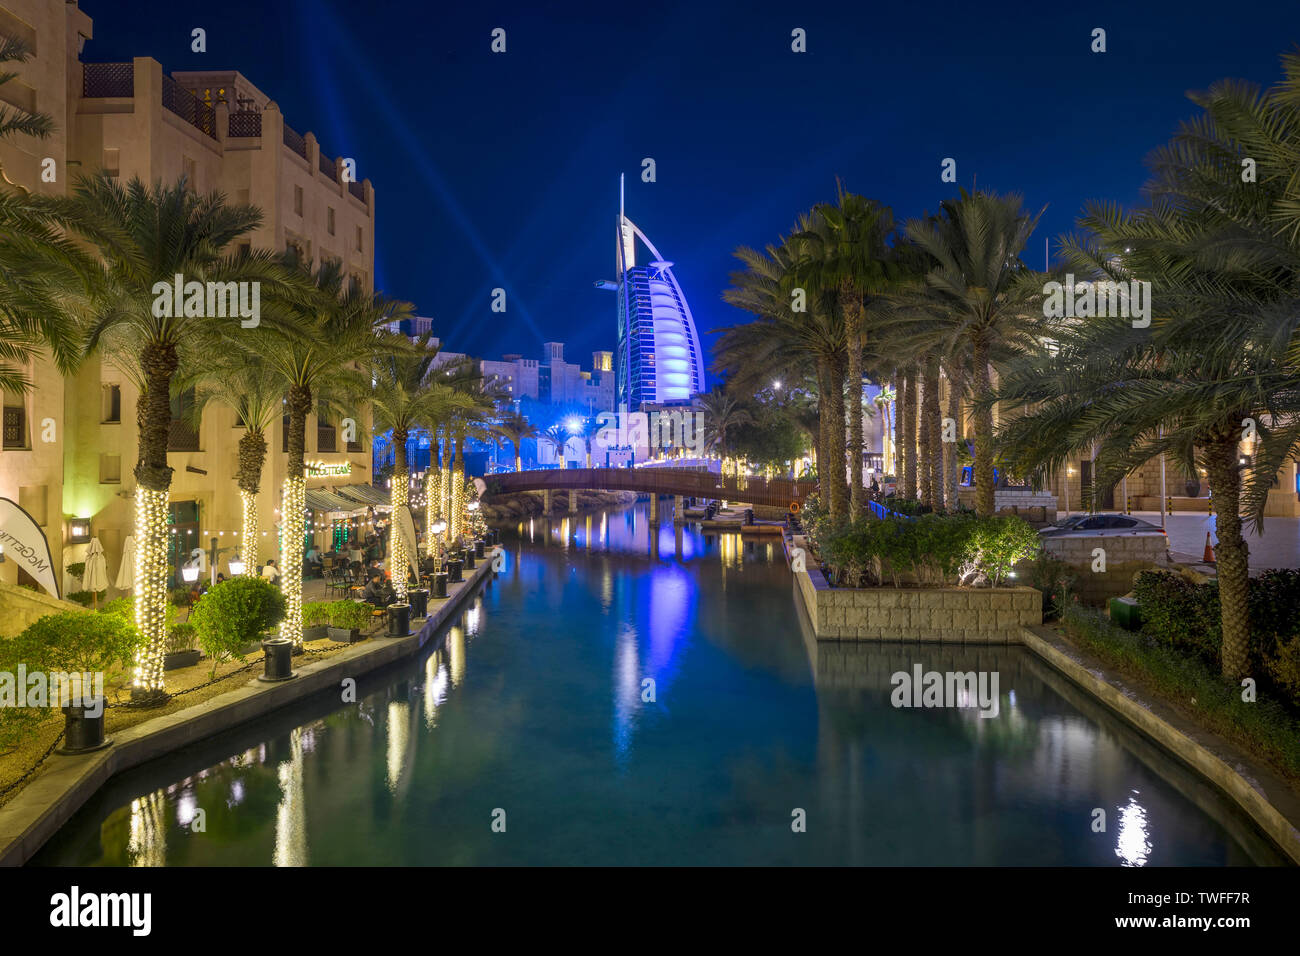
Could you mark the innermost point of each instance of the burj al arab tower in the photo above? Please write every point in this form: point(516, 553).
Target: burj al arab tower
point(659, 356)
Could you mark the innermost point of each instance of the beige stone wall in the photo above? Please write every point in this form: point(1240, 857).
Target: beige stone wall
point(20, 607)
point(65, 477)
point(960, 615)
point(1125, 556)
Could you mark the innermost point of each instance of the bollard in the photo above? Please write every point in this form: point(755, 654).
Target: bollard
point(278, 663)
point(453, 571)
point(478, 548)
point(82, 733)
point(440, 584)
point(467, 555)
point(399, 620)
point(419, 598)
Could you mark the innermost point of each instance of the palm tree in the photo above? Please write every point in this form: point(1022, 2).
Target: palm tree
point(845, 258)
point(45, 278)
point(144, 236)
point(406, 395)
point(558, 435)
point(781, 337)
point(253, 390)
point(318, 342)
point(514, 427)
point(1223, 347)
point(984, 296)
point(885, 401)
point(722, 413)
point(36, 124)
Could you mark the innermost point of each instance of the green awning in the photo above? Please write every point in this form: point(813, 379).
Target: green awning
point(318, 499)
point(365, 495)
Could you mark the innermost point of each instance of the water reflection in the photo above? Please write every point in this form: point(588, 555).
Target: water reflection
point(552, 720)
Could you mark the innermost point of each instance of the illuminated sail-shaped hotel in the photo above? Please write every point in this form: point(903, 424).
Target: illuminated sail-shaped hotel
point(659, 357)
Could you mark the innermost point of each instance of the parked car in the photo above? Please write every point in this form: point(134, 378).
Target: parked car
point(1104, 525)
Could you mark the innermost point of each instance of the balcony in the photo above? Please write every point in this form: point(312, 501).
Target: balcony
point(245, 123)
point(358, 191)
point(107, 79)
point(182, 437)
point(294, 141)
point(189, 107)
point(328, 167)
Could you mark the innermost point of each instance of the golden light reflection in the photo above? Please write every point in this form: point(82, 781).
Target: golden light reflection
point(148, 843)
point(397, 739)
point(291, 814)
point(436, 682)
point(456, 654)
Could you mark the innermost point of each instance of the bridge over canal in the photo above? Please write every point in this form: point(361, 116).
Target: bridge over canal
point(683, 482)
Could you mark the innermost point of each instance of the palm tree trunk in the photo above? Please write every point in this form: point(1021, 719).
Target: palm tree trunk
point(853, 326)
point(931, 416)
point(924, 483)
point(825, 487)
point(398, 559)
point(1233, 555)
point(983, 470)
point(293, 527)
point(907, 454)
point(519, 453)
point(153, 478)
point(835, 461)
point(950, 471)
point(458, 486)
point(252, 458)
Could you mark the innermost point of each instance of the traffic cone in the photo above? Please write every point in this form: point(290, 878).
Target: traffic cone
point(1208, 558)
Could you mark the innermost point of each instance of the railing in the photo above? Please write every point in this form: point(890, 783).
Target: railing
point(354, 448)
point(328, 167)
point(182, 437)
point(665, 481)
point(326, 438)
point(294, 141)
point(107, 79)
point(189, 107)
point(881, 512)
point(245, 123)
point(358, 190)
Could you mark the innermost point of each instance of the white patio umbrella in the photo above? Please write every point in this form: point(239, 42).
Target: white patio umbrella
point(126, 573)
point(96, 576)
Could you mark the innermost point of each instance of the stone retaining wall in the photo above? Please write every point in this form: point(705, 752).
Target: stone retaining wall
point(959, 615)
point(1126, 555)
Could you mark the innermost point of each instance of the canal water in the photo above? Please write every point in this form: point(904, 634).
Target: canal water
point(623, 694)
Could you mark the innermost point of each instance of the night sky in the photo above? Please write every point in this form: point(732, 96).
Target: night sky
point(502, 170)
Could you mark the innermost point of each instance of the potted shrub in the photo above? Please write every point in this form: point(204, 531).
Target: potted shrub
point(315, 620)
point(348, 619)
point(232, 617)
point(182, 647)
point(84, 645)
point(1193, 487)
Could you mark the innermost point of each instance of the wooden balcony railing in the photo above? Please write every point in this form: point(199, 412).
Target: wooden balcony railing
point(107, 79)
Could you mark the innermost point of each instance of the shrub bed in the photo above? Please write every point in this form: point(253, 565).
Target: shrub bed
point(934, 550)
point(1184, 616)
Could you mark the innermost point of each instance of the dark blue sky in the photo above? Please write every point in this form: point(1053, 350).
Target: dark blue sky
point(502, 170)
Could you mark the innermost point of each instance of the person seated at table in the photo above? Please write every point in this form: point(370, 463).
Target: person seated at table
point(378, 592)
point(311, 561)
point(271, 572)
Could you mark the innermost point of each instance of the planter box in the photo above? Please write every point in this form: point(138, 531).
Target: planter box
point(180, 659)
point(958, 615)
point(344, 636)
point(315, 633)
